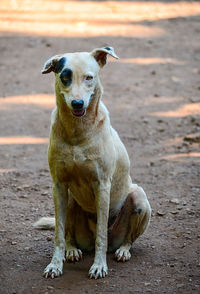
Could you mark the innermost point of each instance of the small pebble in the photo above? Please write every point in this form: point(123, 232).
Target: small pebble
point(160, 213)
point(23, 196)
point(175, 201)
point(174, 212)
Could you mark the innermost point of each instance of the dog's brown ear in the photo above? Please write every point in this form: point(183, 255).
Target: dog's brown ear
point(50, 64)
point(100, 54)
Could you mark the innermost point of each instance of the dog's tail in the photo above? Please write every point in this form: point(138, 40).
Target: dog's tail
point(45, 223)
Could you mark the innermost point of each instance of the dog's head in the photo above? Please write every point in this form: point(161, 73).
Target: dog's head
point(77, 76)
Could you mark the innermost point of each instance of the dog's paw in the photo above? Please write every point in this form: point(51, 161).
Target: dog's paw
point(122, 254)
point(73, 255)
point(53, 270)
point(98, 271)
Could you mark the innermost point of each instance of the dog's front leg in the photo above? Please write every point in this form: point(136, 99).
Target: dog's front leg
point(60, 195)
point(99, 268)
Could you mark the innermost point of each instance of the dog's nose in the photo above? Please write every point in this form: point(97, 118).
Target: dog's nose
point(77, 104)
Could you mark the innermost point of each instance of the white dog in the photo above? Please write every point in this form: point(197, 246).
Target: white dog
point(96, 204)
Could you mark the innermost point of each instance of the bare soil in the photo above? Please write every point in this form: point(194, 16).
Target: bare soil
point(152, 94)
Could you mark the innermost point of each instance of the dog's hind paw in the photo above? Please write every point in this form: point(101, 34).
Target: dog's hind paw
point(73, 255)
point(52, 271)
point(122, 254)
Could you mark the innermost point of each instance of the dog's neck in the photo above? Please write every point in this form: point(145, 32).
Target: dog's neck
point(75, 130)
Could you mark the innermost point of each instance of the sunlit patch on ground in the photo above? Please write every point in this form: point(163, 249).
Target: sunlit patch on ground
point(110, 18)
point(182, 111)
point(183, 156)
point(6, 170)
point(22, 140)
point(43, 100)
point(149, 61)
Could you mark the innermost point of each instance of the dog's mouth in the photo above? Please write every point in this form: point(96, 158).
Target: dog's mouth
point(78, 112)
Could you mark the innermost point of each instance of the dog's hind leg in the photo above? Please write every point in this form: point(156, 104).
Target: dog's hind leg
point(130, 223)
point(78, 234)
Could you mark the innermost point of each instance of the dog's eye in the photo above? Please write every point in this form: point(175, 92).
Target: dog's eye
point(66, 77)
point(89, 78)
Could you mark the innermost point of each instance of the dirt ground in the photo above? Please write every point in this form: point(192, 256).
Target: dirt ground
point(152, 94)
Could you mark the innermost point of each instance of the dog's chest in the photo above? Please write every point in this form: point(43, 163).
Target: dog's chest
point(79, 169)
point(78, 159)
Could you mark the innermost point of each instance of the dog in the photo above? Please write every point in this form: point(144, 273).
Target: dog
point(96, 204)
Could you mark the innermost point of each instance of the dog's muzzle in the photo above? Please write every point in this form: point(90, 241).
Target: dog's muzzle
point(78, 107)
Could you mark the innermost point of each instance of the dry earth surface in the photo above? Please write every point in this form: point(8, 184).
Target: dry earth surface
point(152, 94)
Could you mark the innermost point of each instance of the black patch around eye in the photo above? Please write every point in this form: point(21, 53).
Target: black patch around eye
point(107, 48)
point(66, 77)
point(60, 64)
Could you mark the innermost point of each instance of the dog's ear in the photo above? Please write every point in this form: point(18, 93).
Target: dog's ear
point(100, 54)
point(50, 64)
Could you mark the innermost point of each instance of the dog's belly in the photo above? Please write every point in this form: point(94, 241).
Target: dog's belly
point(83, 195)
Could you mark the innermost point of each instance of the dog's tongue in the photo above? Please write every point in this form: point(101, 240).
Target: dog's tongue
point(78, 112)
